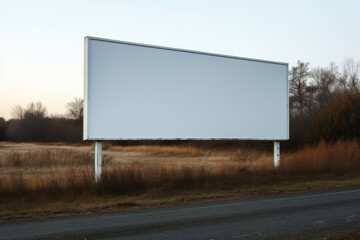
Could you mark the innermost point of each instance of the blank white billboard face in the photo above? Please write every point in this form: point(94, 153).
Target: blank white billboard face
point(135, 91)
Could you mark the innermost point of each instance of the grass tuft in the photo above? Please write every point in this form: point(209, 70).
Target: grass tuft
point(188, 151)
point(335, 158)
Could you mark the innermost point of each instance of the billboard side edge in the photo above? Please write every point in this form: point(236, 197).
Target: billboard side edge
point(86, 100)
point(287, 100)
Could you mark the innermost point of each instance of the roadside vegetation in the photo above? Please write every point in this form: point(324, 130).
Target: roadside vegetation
point(354, 235)
point(38, 182)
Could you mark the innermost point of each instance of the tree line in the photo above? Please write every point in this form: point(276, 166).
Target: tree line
point(32, 123)
point(324, 105)
point(324, 102)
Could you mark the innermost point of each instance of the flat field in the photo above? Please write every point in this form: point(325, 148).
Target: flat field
point(35, 160)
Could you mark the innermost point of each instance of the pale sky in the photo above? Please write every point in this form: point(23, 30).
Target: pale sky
point(41, 42)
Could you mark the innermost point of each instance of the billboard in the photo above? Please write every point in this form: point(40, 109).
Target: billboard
point(138, 91)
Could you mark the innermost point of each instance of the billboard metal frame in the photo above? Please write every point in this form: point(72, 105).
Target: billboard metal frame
point(86, 66)
point(98, 140)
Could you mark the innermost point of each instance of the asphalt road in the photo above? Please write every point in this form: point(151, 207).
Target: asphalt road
point(291, 216)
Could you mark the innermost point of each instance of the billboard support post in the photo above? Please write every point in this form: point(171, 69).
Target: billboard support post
point(276, 154)
point(97, 161)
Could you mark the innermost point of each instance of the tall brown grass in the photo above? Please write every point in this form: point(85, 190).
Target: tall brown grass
point(334, 158)
point(253, 159)
point(189, 151)
point(246, 168)
point(45, 158)
point(48, 158)
point(133, 179)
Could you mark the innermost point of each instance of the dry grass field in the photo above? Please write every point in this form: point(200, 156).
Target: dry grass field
point(34, 176)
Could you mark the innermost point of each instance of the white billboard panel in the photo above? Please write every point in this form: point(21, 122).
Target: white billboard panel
point(136, 91)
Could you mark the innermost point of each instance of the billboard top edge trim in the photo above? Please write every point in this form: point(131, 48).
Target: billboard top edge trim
point(183, 50)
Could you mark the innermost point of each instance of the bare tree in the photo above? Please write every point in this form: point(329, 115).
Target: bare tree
point(350, 79)
point(75, 109)
point(35, 110)
point(30, 123)
point(2, 128)
point(32, 110)
point(325, 81)
point(17, 112)
point(299, 91)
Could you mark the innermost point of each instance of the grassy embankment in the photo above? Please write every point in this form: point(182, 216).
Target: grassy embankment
point(354, 235)
point(60, 181)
